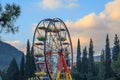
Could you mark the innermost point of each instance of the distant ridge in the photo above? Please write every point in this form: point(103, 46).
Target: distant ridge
point(7, 52)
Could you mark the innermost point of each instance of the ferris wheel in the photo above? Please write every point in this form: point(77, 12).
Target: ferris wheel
point(53, 50)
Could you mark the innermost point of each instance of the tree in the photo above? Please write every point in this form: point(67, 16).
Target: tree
point(78, 64)
point(84, 62)
point(91, 65)
point(108, 69)
point(3, 75)
point(28, 64)
point(8, 16)
point(102, 56)
point(116, 48)
point(116, 67)
point(75, 74)
point(33, 66)
point(22, 69)
point(13, 71)
point(101, 73)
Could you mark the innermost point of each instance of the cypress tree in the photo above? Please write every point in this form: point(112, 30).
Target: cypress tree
point(116, 48)
point(78, 64)
point(84, 62)
point(91, 67)
point(13, 71)
point(22, 69)
point(33, 66)
point(27, 64)
point(102, 56)
point(108, 69)
point(101, 74)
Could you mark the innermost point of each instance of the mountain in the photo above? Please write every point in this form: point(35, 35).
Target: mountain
point(7, 52)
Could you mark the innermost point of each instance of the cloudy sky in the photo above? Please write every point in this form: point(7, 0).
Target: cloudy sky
point(85, 19)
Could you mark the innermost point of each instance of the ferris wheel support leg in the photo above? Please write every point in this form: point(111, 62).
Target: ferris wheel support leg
point(67, 72)
point(59, 69)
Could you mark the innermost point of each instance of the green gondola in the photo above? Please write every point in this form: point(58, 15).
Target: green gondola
point(62, 39)
point(41, 38)
point(42, 27)
point(62, 29)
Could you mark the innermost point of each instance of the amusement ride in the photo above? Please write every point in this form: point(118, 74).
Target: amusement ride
point(53, 50)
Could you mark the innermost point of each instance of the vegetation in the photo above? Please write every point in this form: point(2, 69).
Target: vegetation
point(13, 71)
point(91, 64)
point(22, 69)
point(116, 67)
point(108, 68)
point(8, 16)
point(116, 48)
point(78, 63)
point(30, 64)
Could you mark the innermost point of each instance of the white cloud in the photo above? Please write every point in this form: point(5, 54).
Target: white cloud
point(112, 10)
point(20, 46)
point(72, 5)
point(50, 4)
point(97, 26)
point(54, 4)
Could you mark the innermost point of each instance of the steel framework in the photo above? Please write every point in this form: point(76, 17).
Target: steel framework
point(53, 50)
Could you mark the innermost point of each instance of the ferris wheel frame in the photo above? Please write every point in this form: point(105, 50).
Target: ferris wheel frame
point(46, 31)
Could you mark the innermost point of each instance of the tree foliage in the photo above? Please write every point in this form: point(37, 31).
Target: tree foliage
point(3, 74)
point(13, 71)
point(91, 68)
point(84, 62)
point(22, 69)
point(116, 48)
point(30, 63)
point(33, 66)
point(116, 67)
point(27, 64)
point(8, 16)
point(108, 69)
point(78, 64)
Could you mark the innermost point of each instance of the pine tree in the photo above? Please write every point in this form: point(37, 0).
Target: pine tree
point(101, 74)
point(78, 64)
point(116, 48)
point(91, 67)
point(8, 16)
point(13, 71)
point(33, 66)
point(22, 69)
point(116, 67)
point(28, 63)
point(3, 75)
point(84, 62)
point(108, 69)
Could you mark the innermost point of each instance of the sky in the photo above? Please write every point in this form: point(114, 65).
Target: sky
point(85, 19)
